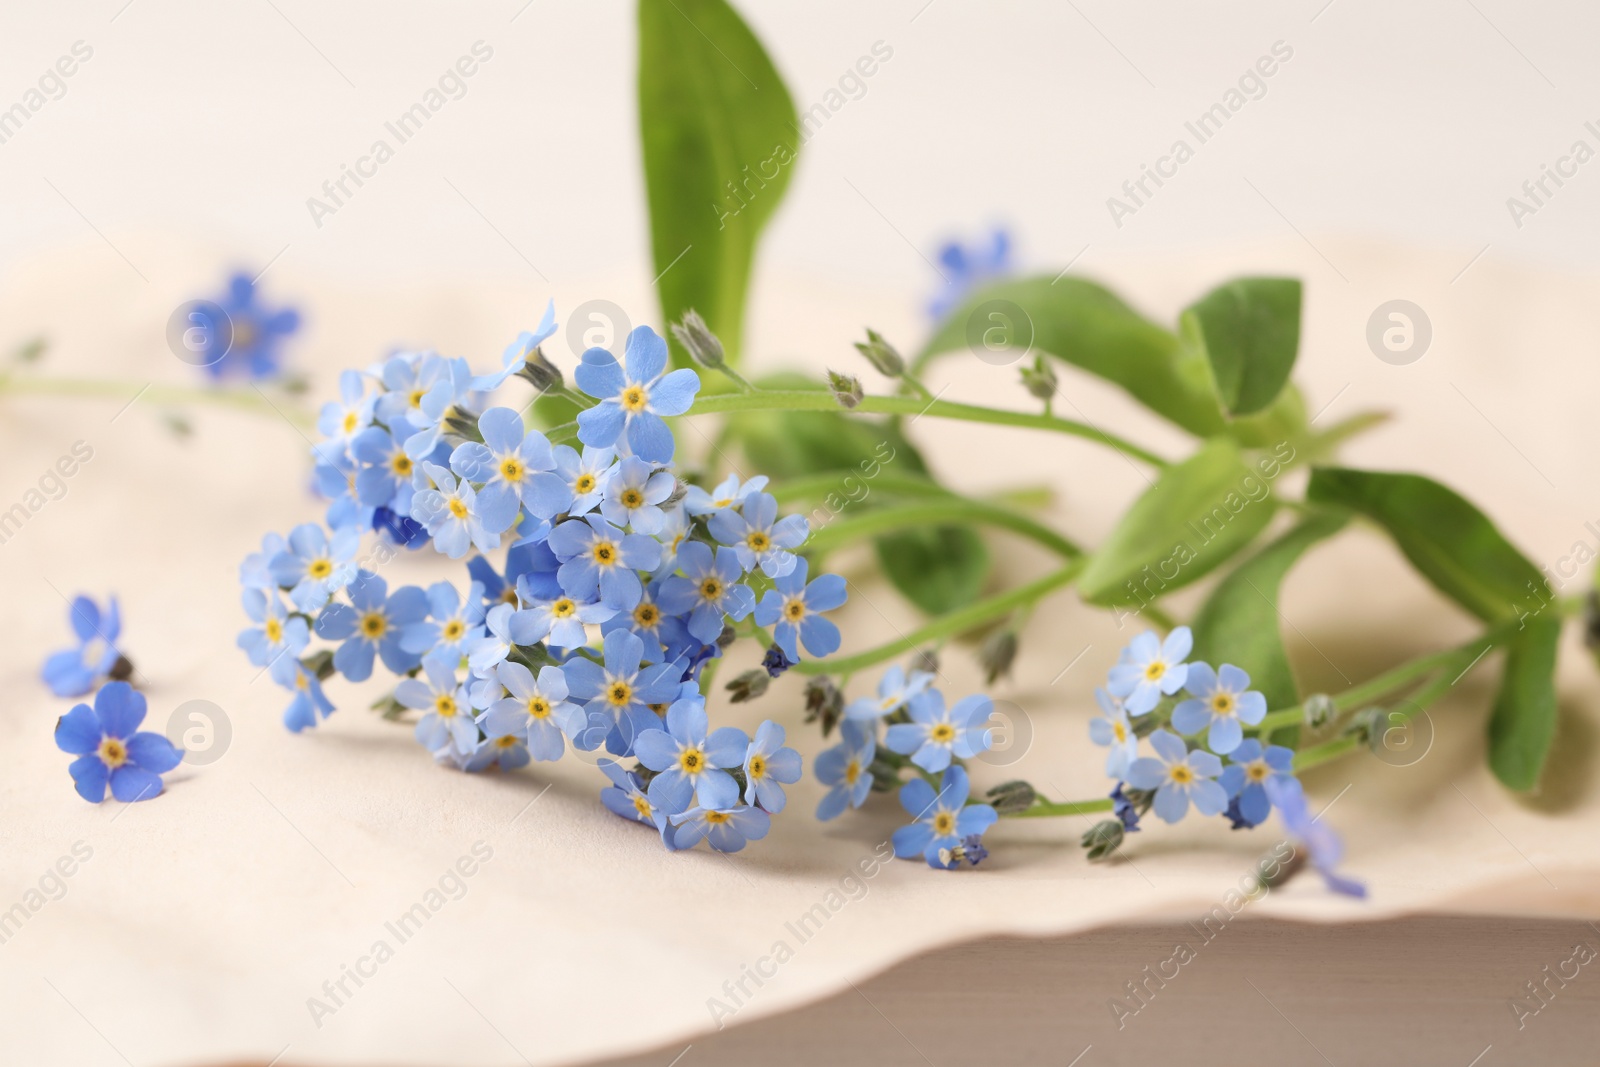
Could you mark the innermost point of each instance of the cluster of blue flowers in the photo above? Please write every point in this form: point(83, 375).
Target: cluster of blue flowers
point(111, 749)
point(1216, 705)
point(930, 739)
point(619, 583)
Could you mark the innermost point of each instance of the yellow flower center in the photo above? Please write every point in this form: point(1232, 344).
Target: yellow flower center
point(508, 595)
point(563, 608)
point(944, 823)
point(852, 772)
point(642, 806)
point(634, 398)
point(717, 818)
point(943, 733)
point(1223, 704)
point(605, 553)
point(445, 705)
point(505, 742)
point(646, 615)
point(1119, 731)
point(538, 707)
point(458, 508)
point(758, 541)
point(511, 469)
point(1181, 773)
point(584, 484)
point(659, 709)
point(692, 760)
point(400, 463)
point(350, 421)
point(619, 693)
point(757, 768)
point(320, 568)
point(794, 609)
point(1257, 772)
point(415, 398)
point(113, 752)
point(274, 630)
point(632, 498)
point(711, 588)
point(1154, 671)
point(454, 629)
point(373, 625)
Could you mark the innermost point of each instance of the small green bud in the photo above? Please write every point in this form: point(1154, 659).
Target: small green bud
point(1367, 725)
point(882, 355)
point(695, 336)
point(846, 389)
point(926, 661)
point(539, 372)
point(885, 776)
point(1319, 710)
point(824, 702)
point(1103, 839)
point(1007, 798)
point(996, 654)
point(1039, 379)
point(748, 686)
point(31, 351)
point(319, 664)
point(727, 637)
point(463, 424)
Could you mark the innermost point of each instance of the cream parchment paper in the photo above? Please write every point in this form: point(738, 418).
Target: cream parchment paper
point(212, 922)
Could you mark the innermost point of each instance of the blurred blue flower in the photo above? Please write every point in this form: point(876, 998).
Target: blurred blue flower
point(1324, 846)
point(309, 700)
point(518, 351)
point(895, 690)
point(247, 341)
point(967, 267)
point(278, 640)
point(726, 829)
point(1150, 669)
point(74, 672)
point(1112, 729)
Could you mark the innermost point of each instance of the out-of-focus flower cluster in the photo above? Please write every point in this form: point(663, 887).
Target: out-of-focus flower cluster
point(598, 585)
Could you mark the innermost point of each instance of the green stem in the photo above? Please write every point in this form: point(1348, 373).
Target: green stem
point(956, 622)
point(1307, 758)
point(818, 400)
point(1044, 808)
point(929, 512)
point(248, 399)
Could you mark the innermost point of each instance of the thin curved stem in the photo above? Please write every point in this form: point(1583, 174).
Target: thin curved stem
point(1044, 808)
point(956, 622)
point(878, 520)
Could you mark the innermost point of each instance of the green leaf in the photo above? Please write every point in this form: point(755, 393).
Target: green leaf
point(1524, 719)
point(720, 138)
point(1239, 623)
point(1197, 515)
point(1090, 327)
point(1450, 542)
point(1249, 332)
point(939, 569)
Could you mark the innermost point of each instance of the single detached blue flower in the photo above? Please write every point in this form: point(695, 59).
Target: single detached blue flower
point(936, 733)
point(796, 607)
point(966, 267)
point(536, 710)
point(626, 797)
point(634, 495)
point(453, 624)
point(313, 567)
point(633, 400)
point(729, 493)
point(939, 820)
point(1324, 846)
point(74, 672)
point(689, 759)
point(768, 766)
point(515, 466)
point(708, 591)
point(278, 640)
point(1179, 776)
point(597, 558)
point(1222, 700)
point(108, 749)
point(1112, 729)
point(373, 623)
point(518, 351)
point(447, 718)
point(844, 769)
point(451, 513)
point(1150, 669)
point(895, 690)
point(759, 537)
point(585, 474)
point(309, 700)
point(1245, 778)
point(246, 340)
point(726, 829)
point(621, 689)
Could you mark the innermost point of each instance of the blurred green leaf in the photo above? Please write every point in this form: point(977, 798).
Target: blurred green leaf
point(1194, 518)
point(939, 569)
point(1524, 720)
point(1249, 332)
point(1239, 623)
point(720, 137)
point(1448, 540)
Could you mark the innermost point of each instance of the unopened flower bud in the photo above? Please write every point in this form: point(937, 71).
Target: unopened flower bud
point(539, 372)
point(846, 389)
point(996, 654)
point(776, 661)
point(885, 776)
point(882, 355)
point(1008, 798)
point(727, 637)
point(1319, 710)
point(320, 664)
point(824, 702)
point(695, 336)
point(1039, 379)
point(1103, 839)
point(748, 685)
point(926, 661)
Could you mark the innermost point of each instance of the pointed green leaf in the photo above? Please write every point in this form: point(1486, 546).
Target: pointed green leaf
point(720, 138)
point(1524, 719)
point(1195, 517)
point(1249, 332)
point(1447, 539)
point(1239, 623)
